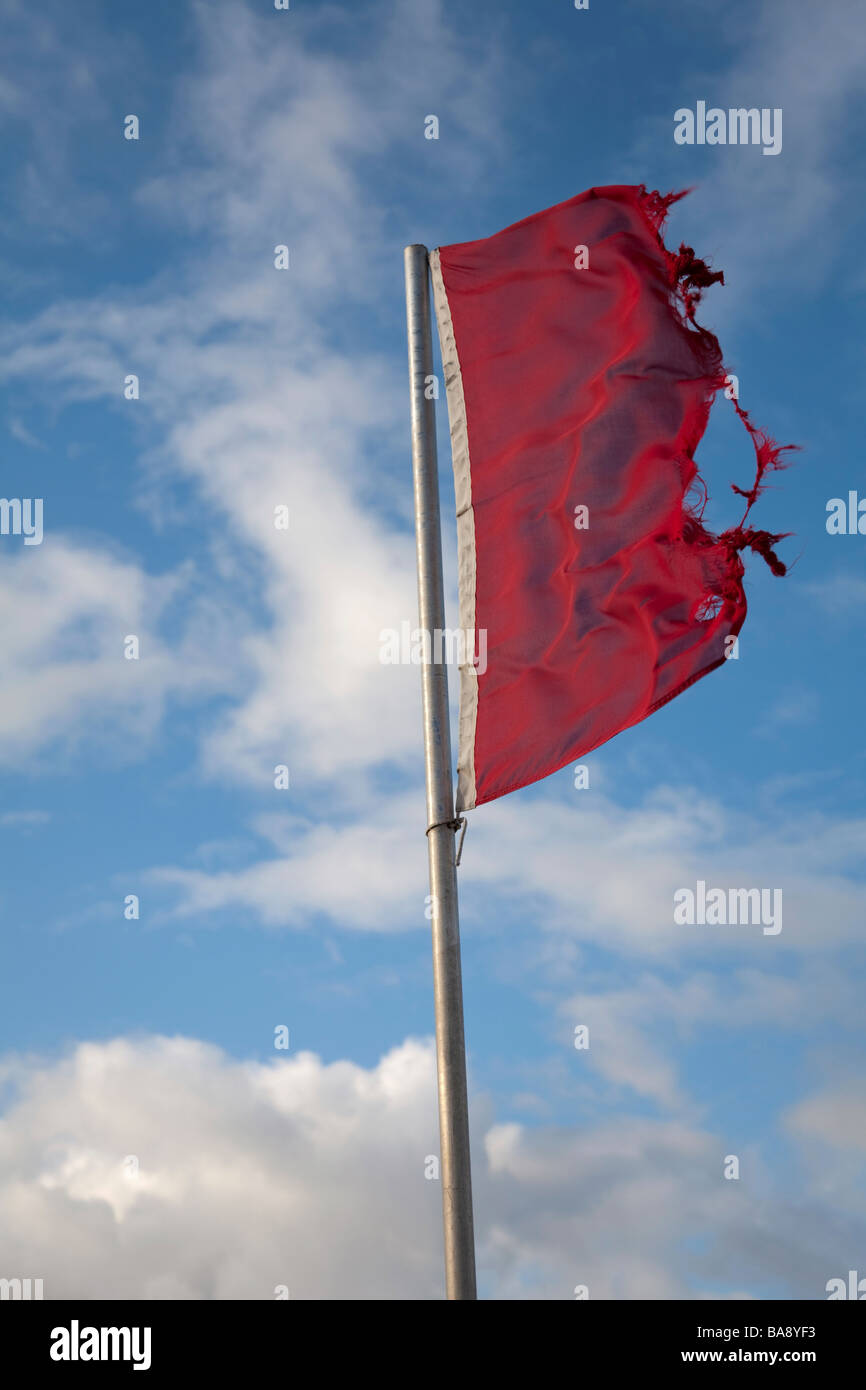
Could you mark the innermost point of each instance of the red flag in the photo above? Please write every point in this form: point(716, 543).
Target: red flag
point(578, 387)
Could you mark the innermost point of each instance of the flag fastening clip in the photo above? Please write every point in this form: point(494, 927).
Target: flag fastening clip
point(458, 823)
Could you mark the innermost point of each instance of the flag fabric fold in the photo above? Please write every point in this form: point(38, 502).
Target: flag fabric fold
point(578, 386)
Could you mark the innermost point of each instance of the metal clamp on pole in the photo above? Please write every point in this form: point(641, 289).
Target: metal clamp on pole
point(458, 823)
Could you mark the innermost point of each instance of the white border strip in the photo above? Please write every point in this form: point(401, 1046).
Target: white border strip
point(465, 535)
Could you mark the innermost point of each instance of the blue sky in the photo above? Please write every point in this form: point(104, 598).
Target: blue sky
point(154, 1037)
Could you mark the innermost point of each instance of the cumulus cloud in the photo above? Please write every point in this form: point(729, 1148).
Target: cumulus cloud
point(163, 1169)
point(160, 1168)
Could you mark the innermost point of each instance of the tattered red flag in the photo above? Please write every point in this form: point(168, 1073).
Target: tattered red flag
point(578, 387)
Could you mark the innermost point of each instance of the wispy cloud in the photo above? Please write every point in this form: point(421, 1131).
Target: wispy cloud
point(24, 820)
point(594, 871)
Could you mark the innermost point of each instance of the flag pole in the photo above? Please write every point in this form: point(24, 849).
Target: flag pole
point(441, 824)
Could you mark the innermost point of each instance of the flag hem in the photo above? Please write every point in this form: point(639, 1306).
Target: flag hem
point(468, 716)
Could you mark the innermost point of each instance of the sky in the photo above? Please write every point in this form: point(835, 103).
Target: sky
point(155, 1142)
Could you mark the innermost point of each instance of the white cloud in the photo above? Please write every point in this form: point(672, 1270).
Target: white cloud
point(66, 611)
point(258, 393)
point(24, 820)
point(839, 595)
point(160, 1168)
point(640, 1032)
point(768, 218)
point(590, 869)
point(368, 874)
point(19, 431)
point(829, 1126)
point(247, 1176)
point(836, 1117)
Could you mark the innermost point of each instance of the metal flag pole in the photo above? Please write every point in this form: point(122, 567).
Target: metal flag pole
point(441, 824)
